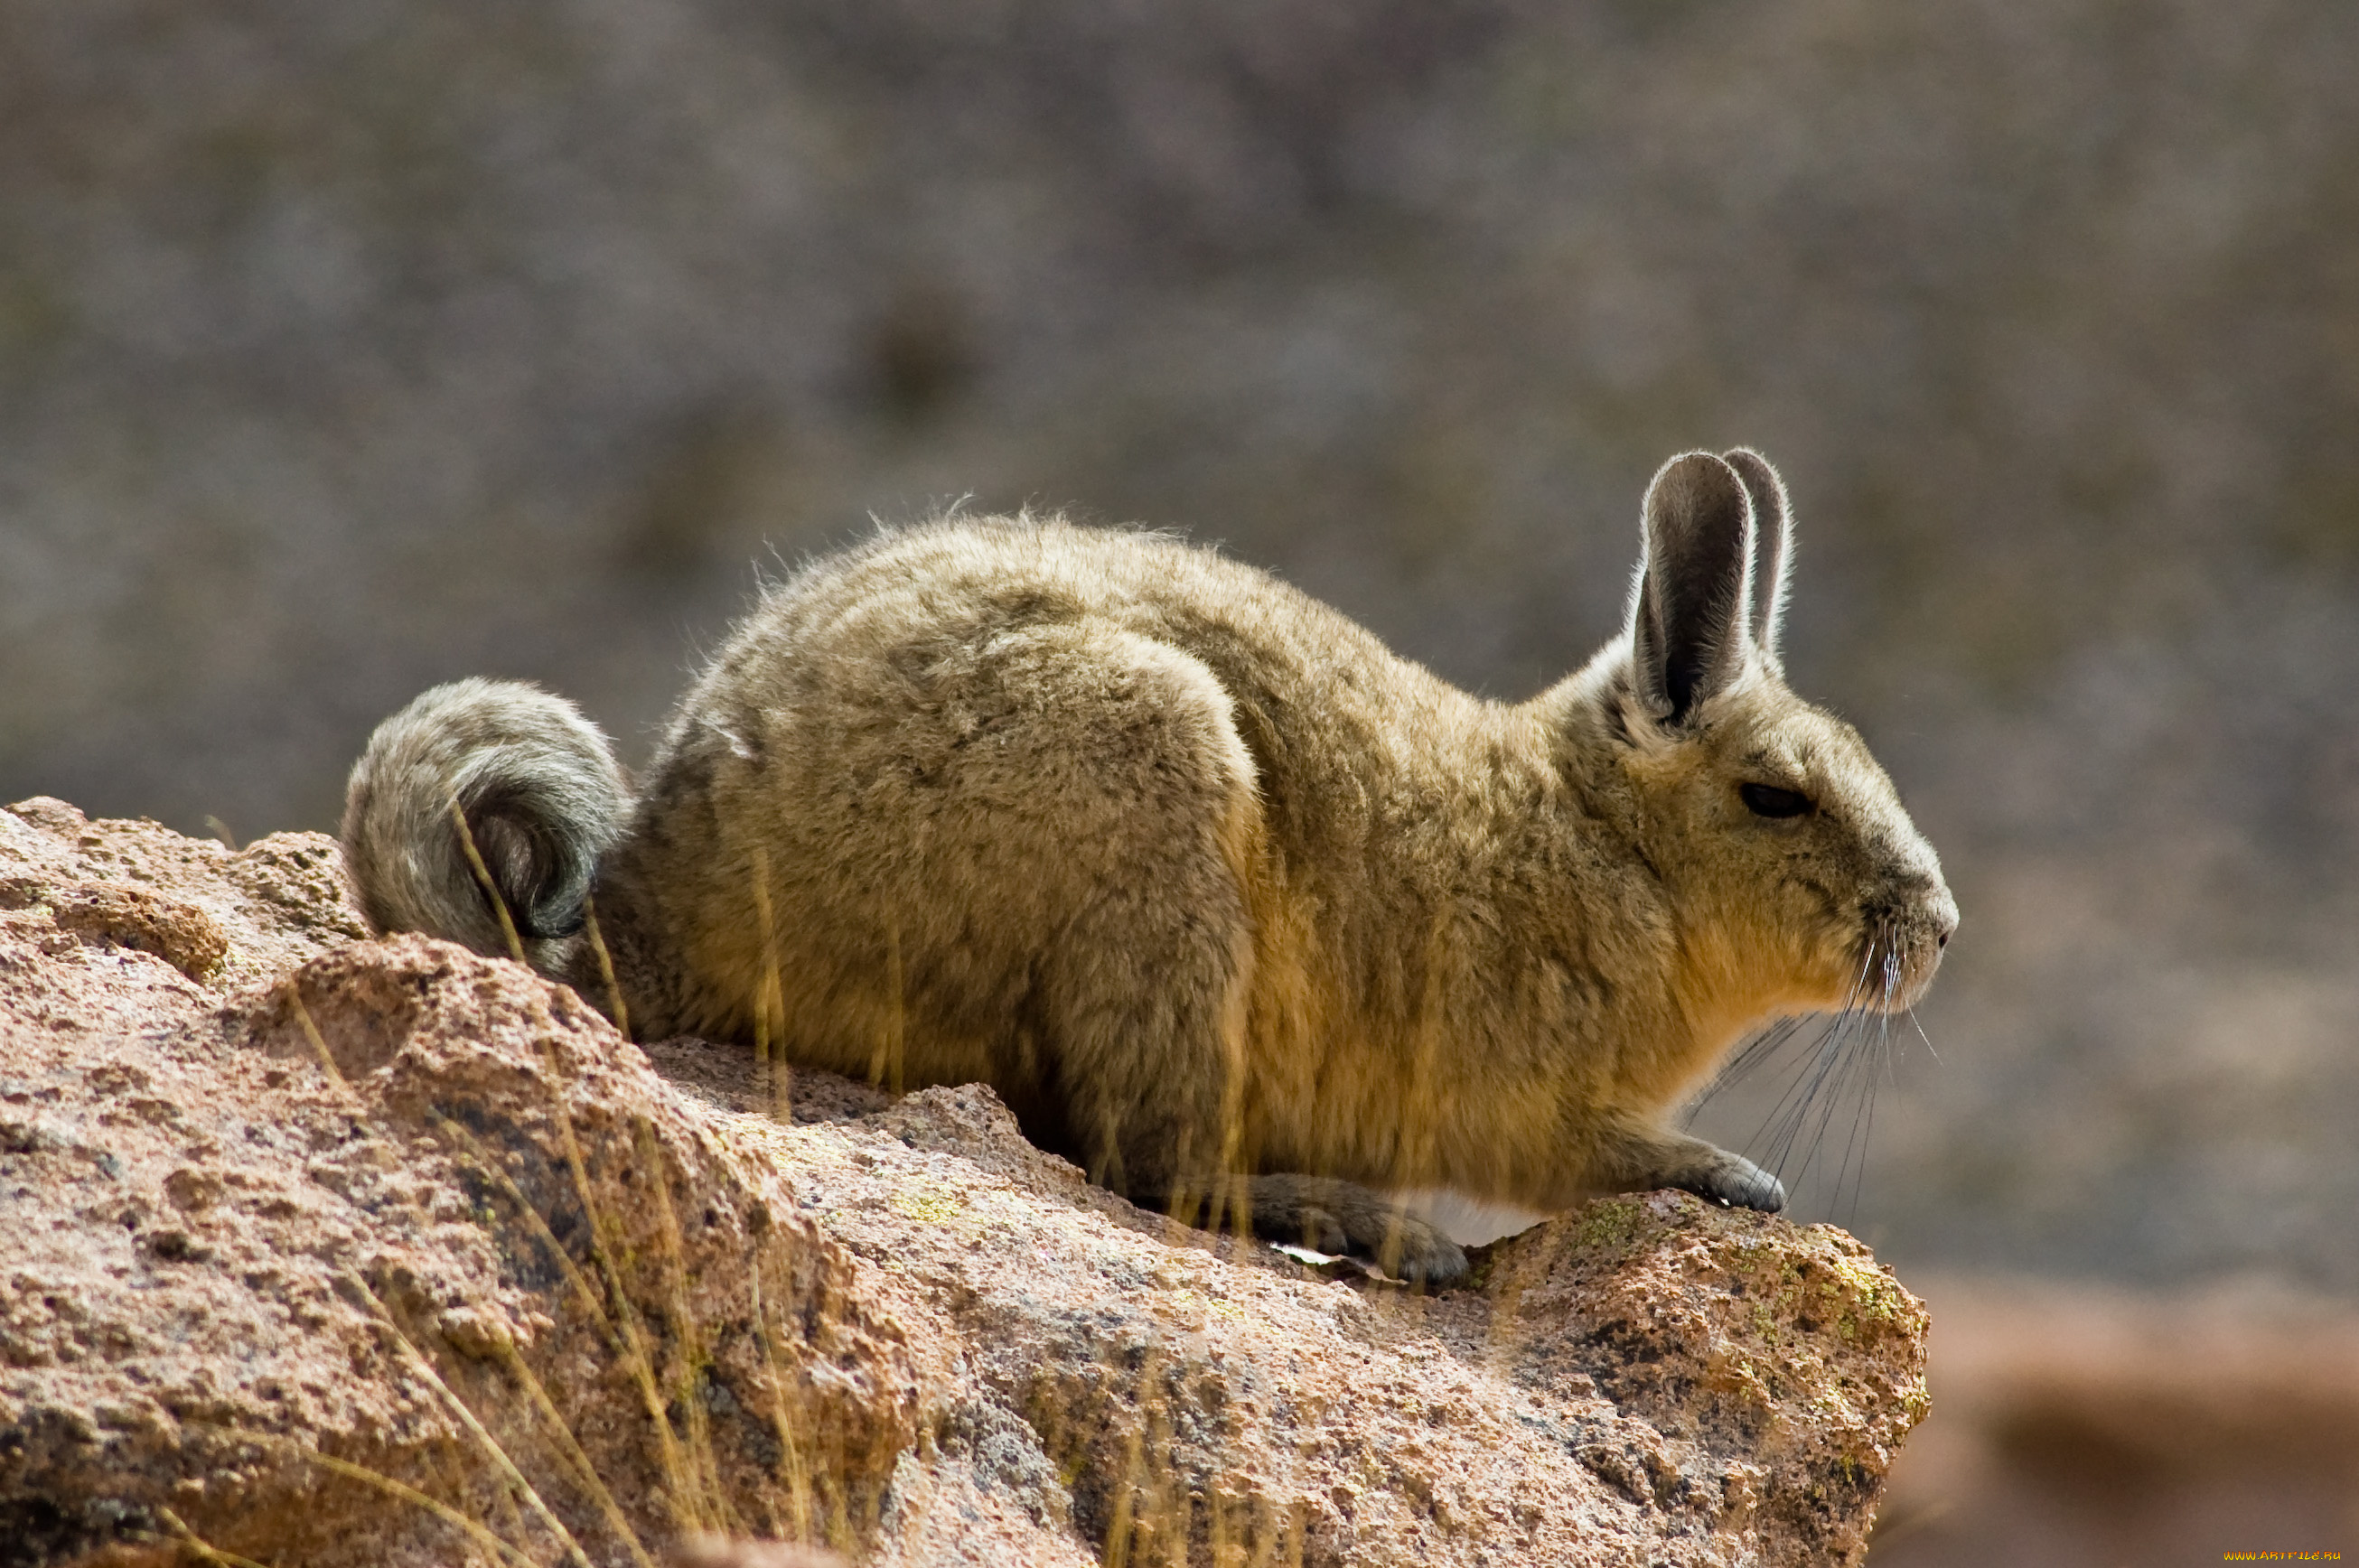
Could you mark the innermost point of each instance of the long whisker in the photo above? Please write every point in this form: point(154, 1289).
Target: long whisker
point(1842, 1064)
point(1758, 1052)
point(1790, 1117)
point(1849, 1055)
point(1863, 1123)
point(1921, 1034)
point(1749, 1057)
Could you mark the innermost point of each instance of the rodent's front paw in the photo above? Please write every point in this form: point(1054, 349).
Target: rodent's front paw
point(1741, 1183)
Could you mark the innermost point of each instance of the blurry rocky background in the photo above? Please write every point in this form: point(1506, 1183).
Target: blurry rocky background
point(348, 346)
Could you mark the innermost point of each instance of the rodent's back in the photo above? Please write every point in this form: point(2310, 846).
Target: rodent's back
point(881, 732)
point(853, 628)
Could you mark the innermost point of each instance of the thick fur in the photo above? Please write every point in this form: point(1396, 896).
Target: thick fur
point(1209, 884)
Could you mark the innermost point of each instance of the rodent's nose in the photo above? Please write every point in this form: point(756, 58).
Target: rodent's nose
point(1934, 910)
point(1945, 920)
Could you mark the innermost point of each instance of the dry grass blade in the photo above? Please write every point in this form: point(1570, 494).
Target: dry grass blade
point(626, 1348)
point(692, 1361)
point(328, 1062)
point(1298, 1531)
point(885, 1066)
point(491, 889)
point(799, 1490)
point(311, 1032)
point(586, 1472)
point(687, 1500)
point(1127, 1526)
point(684, 1497)
point(197, 1544)
point(499, 1457)
point(481, 1159)
point(770, 999)
point(620, 1011)
point(1120, 1530)
point(473, 1529)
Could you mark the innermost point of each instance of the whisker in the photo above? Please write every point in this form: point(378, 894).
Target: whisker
point(1921, 1034)
point(1848, 1058)
point(1863, 1128)
point(1862, 1138)
point(1789, 1119)
point(1748, 1058)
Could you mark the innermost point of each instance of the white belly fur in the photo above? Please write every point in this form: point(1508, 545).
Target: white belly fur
point(1470, 1222)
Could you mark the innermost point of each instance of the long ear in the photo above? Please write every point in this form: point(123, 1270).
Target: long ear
point(1773, 522)
point(1688, 631)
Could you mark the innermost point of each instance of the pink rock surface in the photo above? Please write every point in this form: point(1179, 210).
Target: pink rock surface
point(328, 1250)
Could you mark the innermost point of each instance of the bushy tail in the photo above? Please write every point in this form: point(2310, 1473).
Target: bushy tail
point(543, 799)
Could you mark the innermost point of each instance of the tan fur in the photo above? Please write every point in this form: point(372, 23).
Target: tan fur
point(1204, 880)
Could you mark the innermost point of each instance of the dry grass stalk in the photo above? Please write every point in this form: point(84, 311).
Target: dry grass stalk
point(491, 1445)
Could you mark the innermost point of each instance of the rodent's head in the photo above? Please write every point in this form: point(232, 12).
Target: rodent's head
point(1796, 878)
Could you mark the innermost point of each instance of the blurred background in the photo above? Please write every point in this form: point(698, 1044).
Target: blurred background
point(346, 347)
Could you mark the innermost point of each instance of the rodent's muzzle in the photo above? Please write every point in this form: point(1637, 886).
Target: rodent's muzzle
point(1903, 945)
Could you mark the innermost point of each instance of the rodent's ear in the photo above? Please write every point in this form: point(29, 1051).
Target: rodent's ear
point(1773, 528)
point(1688, 618)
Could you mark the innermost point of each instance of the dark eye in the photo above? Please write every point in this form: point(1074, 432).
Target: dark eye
point(1767, 800)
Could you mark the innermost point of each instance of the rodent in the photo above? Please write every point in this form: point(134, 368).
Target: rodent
point(1200, 877)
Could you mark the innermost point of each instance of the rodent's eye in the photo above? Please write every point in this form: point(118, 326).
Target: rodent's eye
point(1768, 800)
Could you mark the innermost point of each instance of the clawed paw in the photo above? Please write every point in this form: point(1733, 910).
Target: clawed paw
point(1322, 1232)
point(1399, 1243)
point(1741, 1183)
point(1402, 1245)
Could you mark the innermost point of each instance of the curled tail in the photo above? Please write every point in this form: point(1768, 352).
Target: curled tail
point(543, 800)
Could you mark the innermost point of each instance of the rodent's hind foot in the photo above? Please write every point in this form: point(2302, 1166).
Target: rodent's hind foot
point(1344, 1219)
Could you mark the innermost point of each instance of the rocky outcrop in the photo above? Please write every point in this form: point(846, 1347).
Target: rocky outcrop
point(324, 1250)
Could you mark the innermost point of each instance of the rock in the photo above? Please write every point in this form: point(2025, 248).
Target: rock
point(331, 1251)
